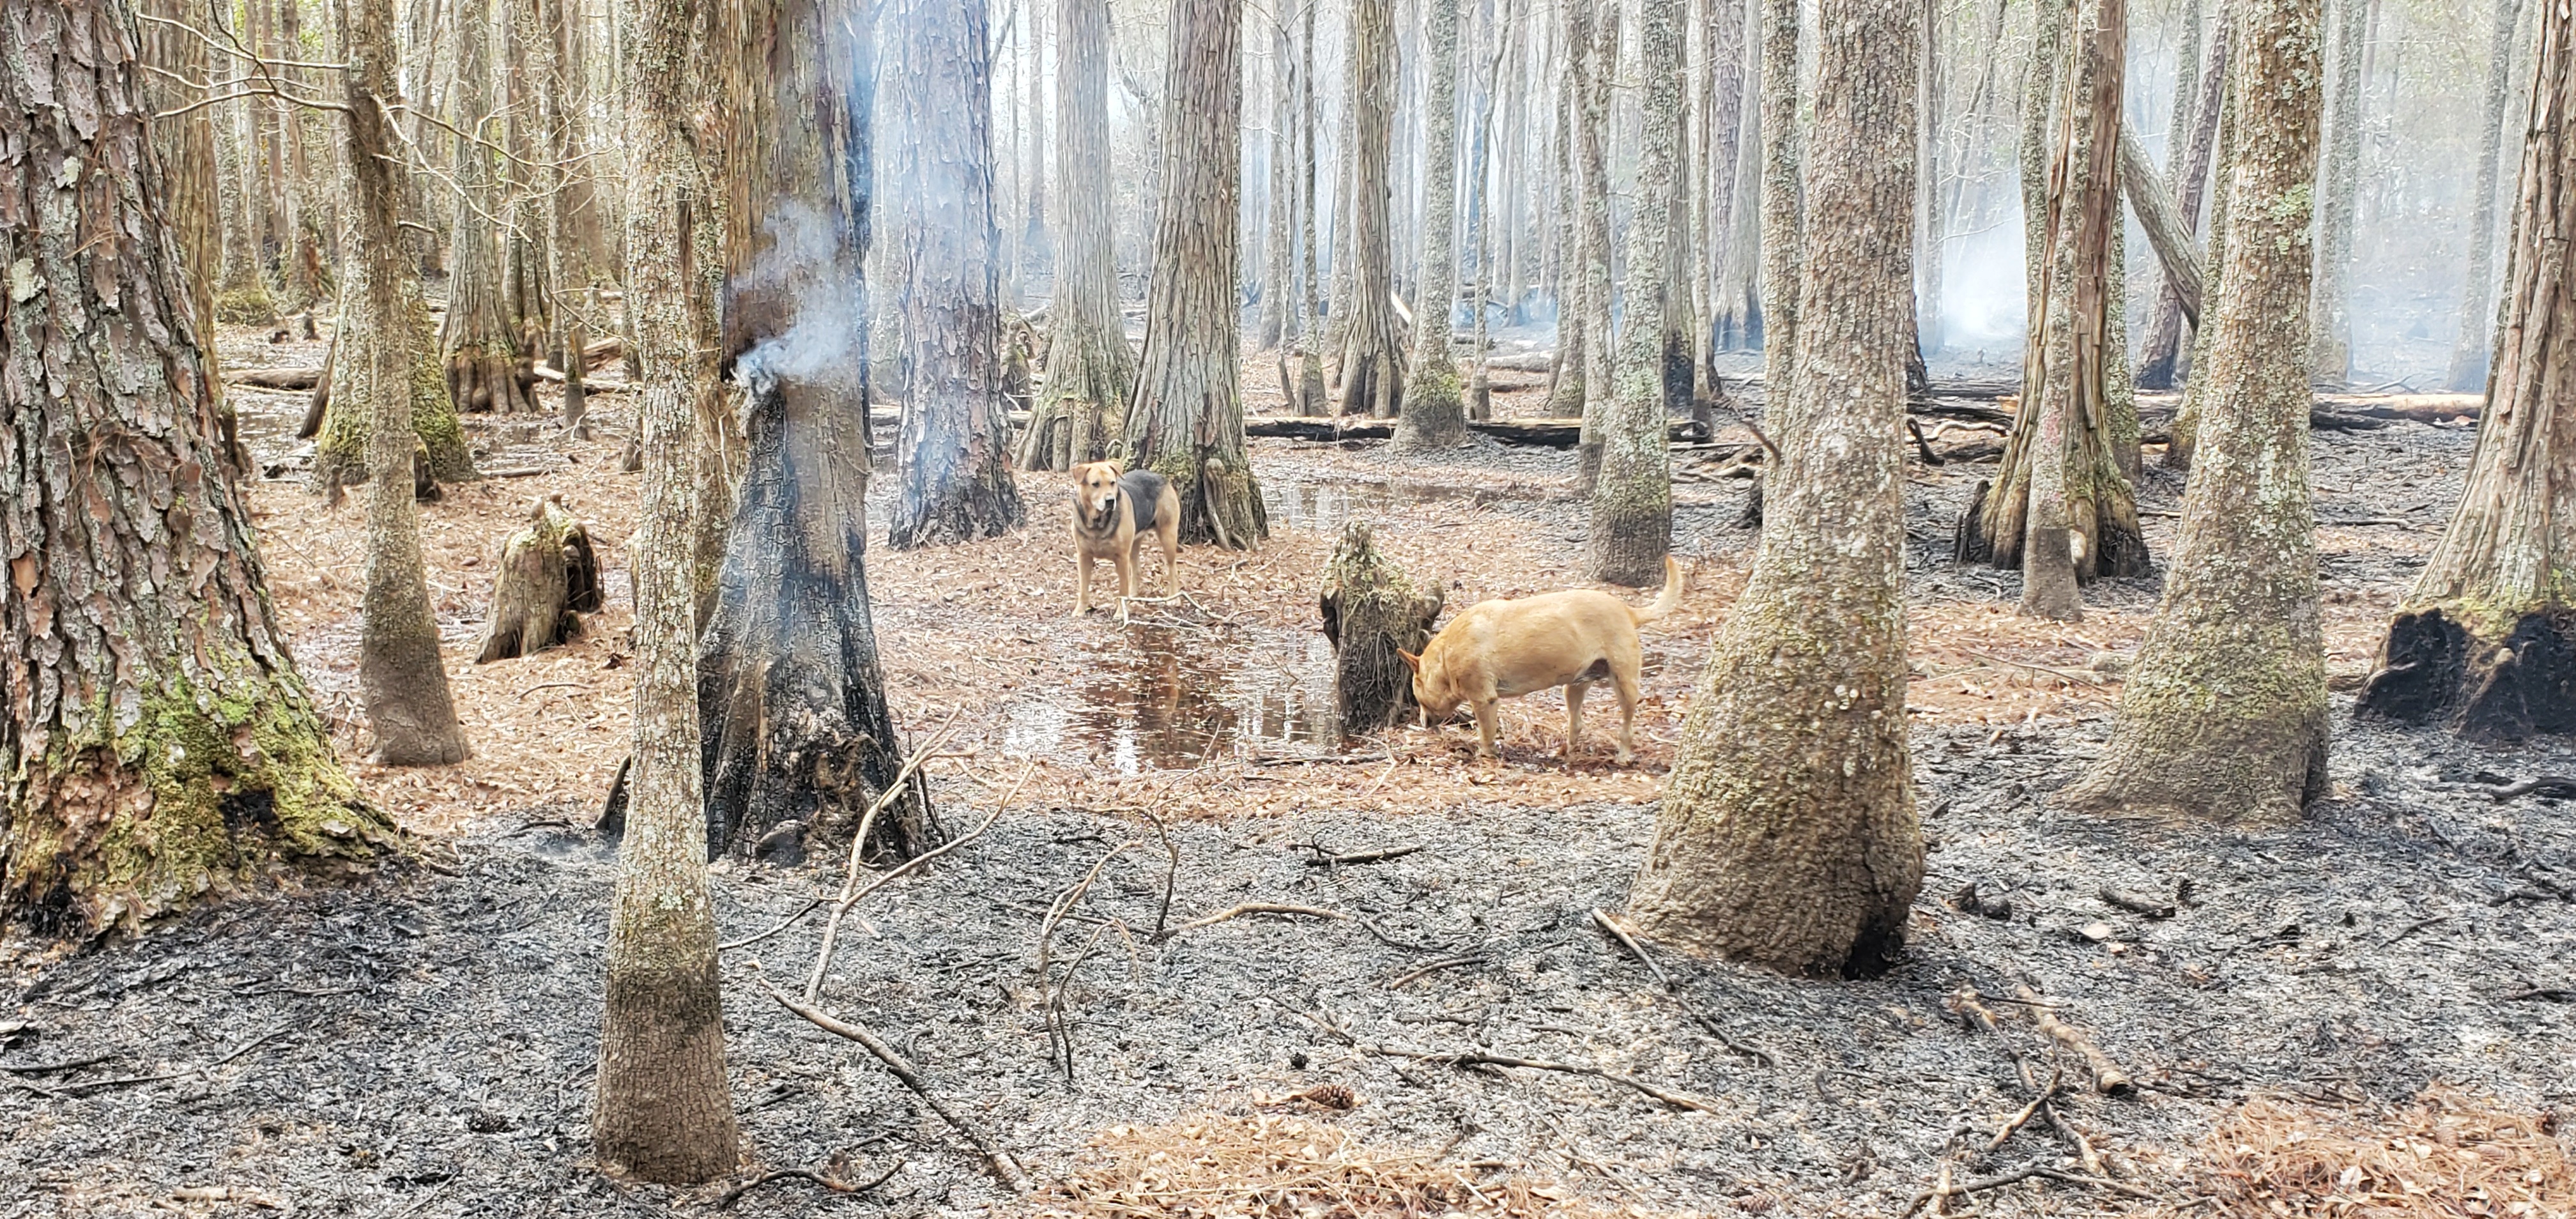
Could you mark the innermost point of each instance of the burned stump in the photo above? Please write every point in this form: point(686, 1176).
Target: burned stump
point(2433, 667)
point(549, 577)
point(1371, 612)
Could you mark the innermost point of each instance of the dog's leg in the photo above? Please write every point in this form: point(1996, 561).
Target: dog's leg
point(1574, 691)
point(1624, 682)
point(1488, 711)
point(1081, 584)
point(1170, 534)
point(1126, 561)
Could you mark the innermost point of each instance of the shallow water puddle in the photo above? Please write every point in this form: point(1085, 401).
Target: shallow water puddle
point(1168, 698)
point(1321, 505)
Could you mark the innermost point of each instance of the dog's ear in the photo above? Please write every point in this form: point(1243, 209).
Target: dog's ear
point(1411, 661)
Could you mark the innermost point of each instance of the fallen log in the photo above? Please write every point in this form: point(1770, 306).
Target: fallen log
point(276, 378)
point(1320, 430)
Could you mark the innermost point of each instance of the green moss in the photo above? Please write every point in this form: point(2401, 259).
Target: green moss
point(246, 306)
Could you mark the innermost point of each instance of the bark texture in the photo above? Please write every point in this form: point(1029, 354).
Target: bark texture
point(2470, 356)
point(480, 341)
point(951, 450)
point(661, 1111)
point(1372, 611)
point(2338, 193)
point(1787, 835)
point(1372, 343)
point(2224, 713)
point(791, 699)
point(157, 747)
point(1632, 494)
point(1782, 227)
point(1186, 421)
point(1089, 368)
point(1434, 413)
point(2190, 173)
point(2484, 639)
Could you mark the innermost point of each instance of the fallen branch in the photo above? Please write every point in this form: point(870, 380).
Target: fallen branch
point(850, 892)
point(1479, 1058)
point(735, 1194)
point(1946, 1190)
point(1436, 966)
point(276, 378)
point(1602, 919)
point(1004, 1167)
point(2028, 1111)
point(2137, 903)
point(1235, 912)
point(244, 1048)
point(1325, 859)
point(2108, 1078)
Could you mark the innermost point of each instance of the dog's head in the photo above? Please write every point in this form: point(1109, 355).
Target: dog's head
point(1095, 491)
point(1432, 690)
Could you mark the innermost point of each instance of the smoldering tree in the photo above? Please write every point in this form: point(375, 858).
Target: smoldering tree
point(951, 445)
point(157, 746)
point(2483, 639)
point(1787, 836)
point(1186, 420)
point(1089, 369)
point(1434, 411)
point(1632, 495)
point(791, 698)
point(2223, 716)
point(2061, 507)
point(661, 1111)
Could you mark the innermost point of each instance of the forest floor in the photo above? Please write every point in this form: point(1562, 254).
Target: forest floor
point(422, 1046)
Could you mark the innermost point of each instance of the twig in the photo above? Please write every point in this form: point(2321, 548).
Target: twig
point(1234, 912)
point(2083, 1146)
point(789, 921)
point(850, 891)
point(244, 1048)
point(2028, 1111)
point(1436, 966)
point(2098, 1182)
point(1326, 859)
point(1602, 919)
point(1479, 1058)
point(2108, 1078)
point(842, 910)
point(1050, 998)
point(48, 1068)
point(735, 1194)
point(1970, 1187)
point(1171, 873)
point(2137, 903)
point(1003, 1165)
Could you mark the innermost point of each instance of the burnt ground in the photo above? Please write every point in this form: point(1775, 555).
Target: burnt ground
point(422, 1046)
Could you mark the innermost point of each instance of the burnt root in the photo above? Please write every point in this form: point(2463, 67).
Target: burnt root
point(2432, 668)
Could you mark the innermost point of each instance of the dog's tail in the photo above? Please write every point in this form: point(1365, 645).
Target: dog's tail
point(1666, 601)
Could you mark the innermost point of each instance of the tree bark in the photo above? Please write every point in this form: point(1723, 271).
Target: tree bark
point(157, 747)
point(2470, 355)
point(955, 474)
point(2223, 716)
point(1787, 836)
point(2152, 201)
point(1371, 613)
point(479, 343)
point(2190, 172)
point(1632, 498)
point(1434, 412)
point(1731, 236)
point(1782, 225)
point(1566, 390)
point(2481, 641)
point(1594, 66)
point(661, 1111)
point(2184, 434)
point(791, 699)
point(2338, 188)
point(1372, 343)
point(1089, 368)
point(547, 578)
point(1186, 420)
point(1310, 393)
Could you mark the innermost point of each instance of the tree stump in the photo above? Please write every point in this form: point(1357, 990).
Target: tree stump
point(1372, 611)
point(549, 577)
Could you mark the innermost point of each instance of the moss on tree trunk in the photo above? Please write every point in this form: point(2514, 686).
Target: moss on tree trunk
point(1371, 612)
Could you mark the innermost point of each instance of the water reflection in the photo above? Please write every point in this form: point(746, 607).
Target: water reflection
point(1168, 698)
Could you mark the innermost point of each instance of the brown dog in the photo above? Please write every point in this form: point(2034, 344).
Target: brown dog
point(1112, 514)
point(1501, 649)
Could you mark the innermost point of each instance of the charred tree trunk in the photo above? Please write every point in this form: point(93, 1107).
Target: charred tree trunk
point(2224, 714)
point(157, 747)
point(1372, 615)
point(1089, 369)
point(2061, 507)
point(791, 700)
point(2163, 346)
point(2338, 188)
point(1632, 497)
point(480, 344)
point(401, 674)
point(2483, 640)
point(1434, 408)
point(1372, 344)
point(2469, 357)
point(1186, 420)
point(661, 1111)
point(1787, 836)
point(951, 450)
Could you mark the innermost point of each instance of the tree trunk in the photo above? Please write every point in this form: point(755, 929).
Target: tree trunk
point(1310, 393)
point(2224, 713)
point(1930, 225)
point(1730, 318)
point(2469, 357)
point(547, 578)
point(480, 345)
point(157, 747)
point(1372, 612)
point(1434, 408)
point(2190, 174)
point(400, 672)
point(1787, 836)
point(1632, 498)
point(1594, 66)
point(1565, 391)
point(1372, 344)
point(2185, 431)
point(2482, 639)
point(2152, 201)
point(2061, 507)
point(1782, 228)
point(1186, 420)
point(1089, 368)
point(1276, 198)
point(661, 1111)
point(791, 700)
point(956, 476)
point(2338, 186)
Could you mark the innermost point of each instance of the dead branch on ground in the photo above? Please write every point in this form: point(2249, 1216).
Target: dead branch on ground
point(1602, 919)
point(1004, 1167)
